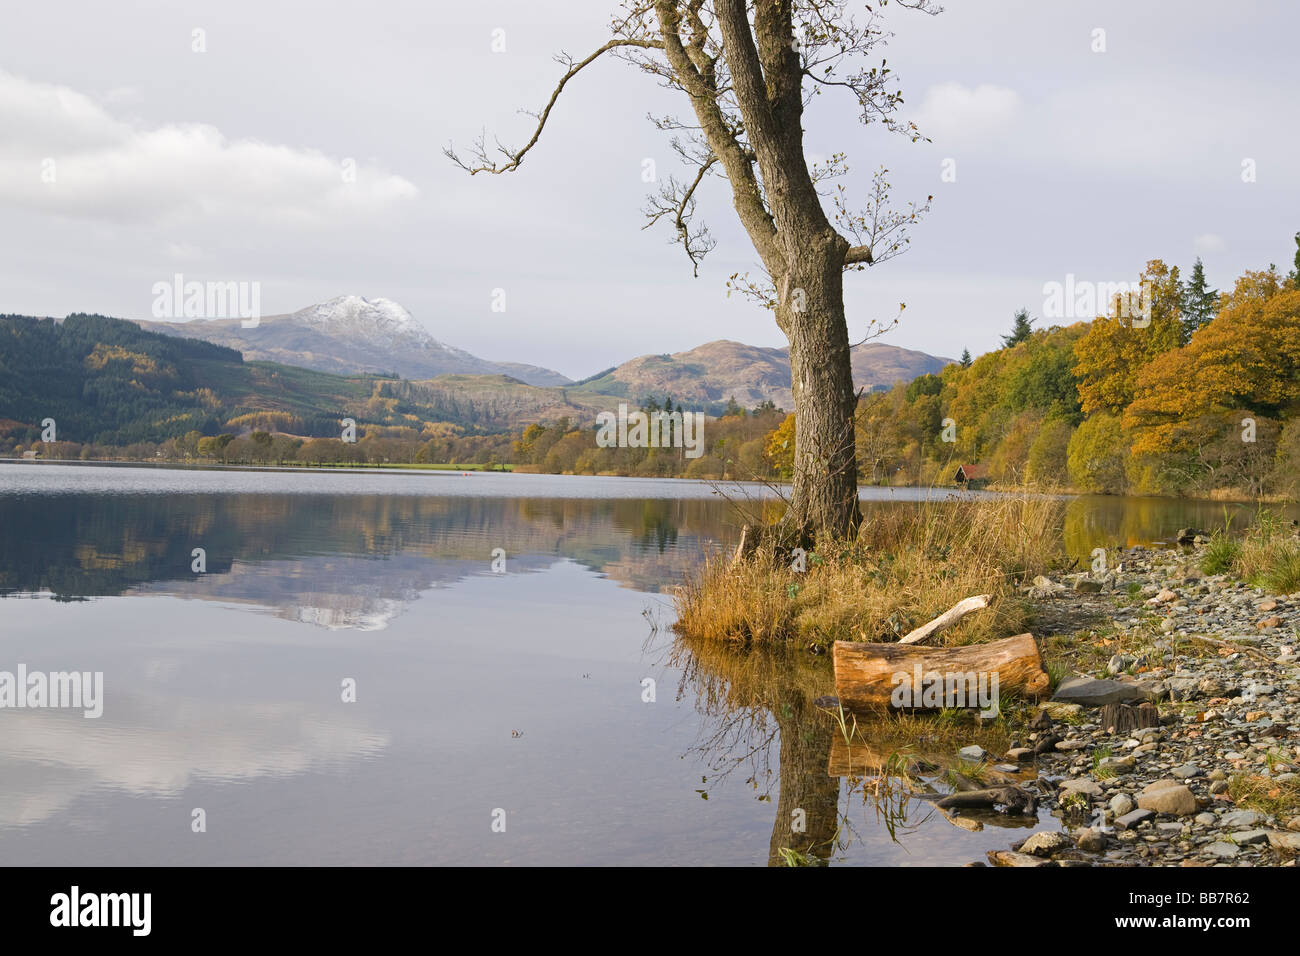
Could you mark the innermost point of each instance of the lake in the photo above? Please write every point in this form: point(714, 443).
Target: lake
point(381, 668)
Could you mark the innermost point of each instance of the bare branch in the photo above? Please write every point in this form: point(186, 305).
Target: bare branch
point(483, 163)
point(678, 201)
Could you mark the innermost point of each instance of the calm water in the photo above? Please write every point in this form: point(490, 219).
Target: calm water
point(476, 691)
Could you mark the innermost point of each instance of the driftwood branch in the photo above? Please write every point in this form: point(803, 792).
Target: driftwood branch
point(948, 618)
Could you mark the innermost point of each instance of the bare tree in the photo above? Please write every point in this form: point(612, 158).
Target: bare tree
point(749, 68)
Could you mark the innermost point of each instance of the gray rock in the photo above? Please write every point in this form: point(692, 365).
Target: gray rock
point(1205, 819)
point(1092, 692)
point(1084, 785)
point(1240, 818)
point(1120, 804)
point(1130, 820)
point(1224, 851)
point(1185, 771)
point(974, 753)
point(1249, 837)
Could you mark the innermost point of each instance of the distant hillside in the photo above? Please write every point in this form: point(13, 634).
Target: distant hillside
point(713, 373)
point(349, 335)
point(109, 381)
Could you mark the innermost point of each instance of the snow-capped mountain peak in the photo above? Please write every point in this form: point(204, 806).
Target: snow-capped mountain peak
point(376, 319)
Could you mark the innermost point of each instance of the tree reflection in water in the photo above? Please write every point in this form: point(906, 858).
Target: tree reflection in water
point(751, 698)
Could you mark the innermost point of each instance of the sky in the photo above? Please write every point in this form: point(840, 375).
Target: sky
point(128, 156)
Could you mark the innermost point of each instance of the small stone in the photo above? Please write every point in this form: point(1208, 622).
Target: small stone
point(1266, 606)
point(1173, 799)
point(1060, 711)
point(1121, 804)
point(1212, 687)
point(1240, 818)
point(1249, 837)
point(1118, 764)
point(1219, 786)
point(1068, 745)
point(1084, 586)
point(1007, 767)
point(1130, 820)
point(1091, 840)
point(1020, 754)
point(1011, 858)
point(1273, 621)
point(1205, 819)
point(1084, 785)
point(974, 753)
point(1185, 771)
point(1224, 851)
point(1282, 840)
point(1045, 843)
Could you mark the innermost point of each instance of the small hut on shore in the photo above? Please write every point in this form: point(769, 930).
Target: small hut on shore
point(971, 476)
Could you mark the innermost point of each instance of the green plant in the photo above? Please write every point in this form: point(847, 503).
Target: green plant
point(1221, 554)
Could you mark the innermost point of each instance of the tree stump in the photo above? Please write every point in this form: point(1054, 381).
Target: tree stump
point(1124, 718)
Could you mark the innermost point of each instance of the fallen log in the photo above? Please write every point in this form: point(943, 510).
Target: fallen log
point(1015, 800)
point(866, 675)
point(947, 619)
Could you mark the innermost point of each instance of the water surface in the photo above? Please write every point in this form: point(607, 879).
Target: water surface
point(477, 690)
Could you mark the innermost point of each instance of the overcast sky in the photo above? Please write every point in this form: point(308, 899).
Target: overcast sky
point(225, 165)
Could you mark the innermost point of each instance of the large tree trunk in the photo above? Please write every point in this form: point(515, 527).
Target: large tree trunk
point(811, 312)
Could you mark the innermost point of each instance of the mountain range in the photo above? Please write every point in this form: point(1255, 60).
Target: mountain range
point(351, 335)
point(116, 382)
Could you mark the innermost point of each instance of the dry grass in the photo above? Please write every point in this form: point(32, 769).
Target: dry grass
point(1268, 796)
point(909, 563)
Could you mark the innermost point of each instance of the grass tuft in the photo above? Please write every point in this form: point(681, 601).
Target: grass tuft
point(909, 564)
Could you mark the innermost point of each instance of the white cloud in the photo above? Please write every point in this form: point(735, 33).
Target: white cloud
point(61, 152)
point(952, 113)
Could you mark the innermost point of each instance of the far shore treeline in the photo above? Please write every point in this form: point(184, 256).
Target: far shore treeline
point(1201, 400)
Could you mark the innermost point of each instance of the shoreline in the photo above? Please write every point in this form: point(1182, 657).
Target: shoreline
point(1215, 783)
point(479, 468)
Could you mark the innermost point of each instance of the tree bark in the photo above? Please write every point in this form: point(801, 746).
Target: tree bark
point(824, 500)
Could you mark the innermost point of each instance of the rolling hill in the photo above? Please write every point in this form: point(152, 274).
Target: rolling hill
point(711, 374)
